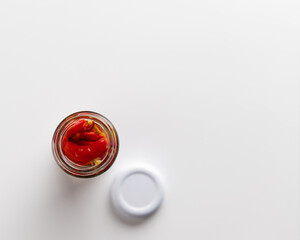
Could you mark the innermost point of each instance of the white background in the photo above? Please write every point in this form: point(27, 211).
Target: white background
point(206, 92)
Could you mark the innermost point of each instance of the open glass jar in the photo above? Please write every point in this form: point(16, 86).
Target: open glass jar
point(85, 144)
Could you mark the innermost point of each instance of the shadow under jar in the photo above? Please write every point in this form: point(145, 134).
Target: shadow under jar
point(85, 144)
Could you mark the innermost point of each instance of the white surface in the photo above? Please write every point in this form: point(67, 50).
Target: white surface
point(204, 91)
point(137, 192)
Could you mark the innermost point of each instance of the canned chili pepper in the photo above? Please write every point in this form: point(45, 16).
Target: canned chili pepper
point(85, 144)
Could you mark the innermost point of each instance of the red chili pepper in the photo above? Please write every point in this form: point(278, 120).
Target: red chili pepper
point(83, 143)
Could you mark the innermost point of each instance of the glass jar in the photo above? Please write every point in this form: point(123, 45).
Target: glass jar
point(93, 168)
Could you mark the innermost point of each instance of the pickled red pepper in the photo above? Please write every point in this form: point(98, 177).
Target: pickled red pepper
point(84, 142)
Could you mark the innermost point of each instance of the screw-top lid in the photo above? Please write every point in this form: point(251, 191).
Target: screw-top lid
point(137, 192)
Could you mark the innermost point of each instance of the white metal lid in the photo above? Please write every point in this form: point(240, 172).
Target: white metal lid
point(137, 192)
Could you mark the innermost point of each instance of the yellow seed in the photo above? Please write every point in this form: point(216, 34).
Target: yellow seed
point(97, 129)
point(97, 161)
point(89, 122)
